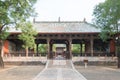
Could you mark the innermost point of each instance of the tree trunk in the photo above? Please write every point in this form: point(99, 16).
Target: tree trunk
point(1, 53)
point(118, 56)
point(118, 62)
point(26, 52)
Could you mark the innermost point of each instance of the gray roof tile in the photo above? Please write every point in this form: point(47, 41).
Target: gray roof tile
point(63, 27)
point(66, 27)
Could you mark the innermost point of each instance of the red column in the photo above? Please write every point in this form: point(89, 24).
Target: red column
point(112, 46)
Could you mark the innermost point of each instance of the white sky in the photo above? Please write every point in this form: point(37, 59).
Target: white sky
point(67, 10)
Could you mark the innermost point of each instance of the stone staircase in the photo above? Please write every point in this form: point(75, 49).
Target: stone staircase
point(59, 64)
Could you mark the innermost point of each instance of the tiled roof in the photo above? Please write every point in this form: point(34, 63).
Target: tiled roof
point(63, 27)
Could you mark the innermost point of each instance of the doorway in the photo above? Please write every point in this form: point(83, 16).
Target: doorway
point(60, 51)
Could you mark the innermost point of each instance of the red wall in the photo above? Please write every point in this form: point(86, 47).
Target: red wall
point(6, 47)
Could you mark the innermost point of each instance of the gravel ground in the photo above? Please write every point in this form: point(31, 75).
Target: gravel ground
point(99, 73)
point(20, 72)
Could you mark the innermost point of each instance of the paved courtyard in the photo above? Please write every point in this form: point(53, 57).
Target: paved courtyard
point(99, 72)
point(65, 73)
point(20, 72)
point(59, 70)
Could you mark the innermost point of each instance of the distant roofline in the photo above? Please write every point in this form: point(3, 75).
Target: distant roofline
point(65, 22)
point(59, 22)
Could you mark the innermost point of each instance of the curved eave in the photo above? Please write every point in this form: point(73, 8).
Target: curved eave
point(60, 32)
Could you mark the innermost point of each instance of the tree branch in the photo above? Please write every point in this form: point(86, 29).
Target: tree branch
point(2, 27)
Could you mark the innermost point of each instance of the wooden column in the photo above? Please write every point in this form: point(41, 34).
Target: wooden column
point(67, 49)
point(81, 49)
point(70, 48)
point(112, 47)
point(51, 51)
point(91, 43)
point(37, 49)
point(48, 48)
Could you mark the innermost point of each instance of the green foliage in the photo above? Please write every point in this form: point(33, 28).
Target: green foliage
point(42, 48)
point(3, 35)
point(13, 11)
point(76, 48)
point(28, 34)
point(104, 35)
point(106, 17)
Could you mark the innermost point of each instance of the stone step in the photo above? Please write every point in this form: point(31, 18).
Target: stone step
point(59, 64)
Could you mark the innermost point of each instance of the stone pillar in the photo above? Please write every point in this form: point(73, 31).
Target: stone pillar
point(91, 45)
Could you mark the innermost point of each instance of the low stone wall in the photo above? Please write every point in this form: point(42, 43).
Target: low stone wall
point(76, 60)
point(24, 60)
point(94, 58)
point(96, 61)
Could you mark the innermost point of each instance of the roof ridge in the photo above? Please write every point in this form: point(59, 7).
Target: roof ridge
point(59, 22)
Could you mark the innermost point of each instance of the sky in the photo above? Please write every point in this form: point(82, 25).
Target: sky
point(67, 10)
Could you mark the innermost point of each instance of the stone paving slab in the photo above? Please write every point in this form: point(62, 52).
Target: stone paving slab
point(99, 72)
point(60, 72)
point(20, 72)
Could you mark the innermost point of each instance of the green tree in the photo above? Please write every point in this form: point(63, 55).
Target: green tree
point(3, 36)
point(27, 36)
point(107, 16)
point(42, 48)
point(76, 48)
point(13, 12)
